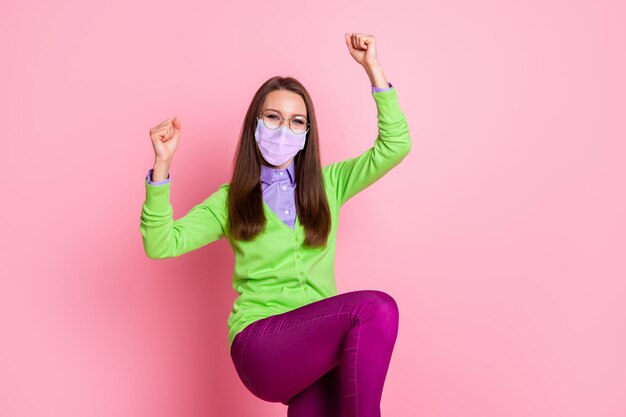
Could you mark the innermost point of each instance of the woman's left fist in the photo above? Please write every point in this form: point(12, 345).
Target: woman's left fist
point(362, 47)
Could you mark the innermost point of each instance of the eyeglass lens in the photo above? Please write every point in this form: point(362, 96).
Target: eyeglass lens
point(273, 120)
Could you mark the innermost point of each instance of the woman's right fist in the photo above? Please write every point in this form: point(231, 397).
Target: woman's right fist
point(165, 138)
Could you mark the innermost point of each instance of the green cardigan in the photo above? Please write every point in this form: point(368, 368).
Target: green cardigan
point(274, 273)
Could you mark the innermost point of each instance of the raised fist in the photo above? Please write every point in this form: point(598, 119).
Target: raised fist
point(165, 137)
point(362, 47)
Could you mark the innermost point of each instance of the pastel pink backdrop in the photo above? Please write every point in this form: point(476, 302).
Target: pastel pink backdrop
point(501, 235)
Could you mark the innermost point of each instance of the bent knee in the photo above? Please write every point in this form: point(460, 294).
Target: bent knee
point(382, 304)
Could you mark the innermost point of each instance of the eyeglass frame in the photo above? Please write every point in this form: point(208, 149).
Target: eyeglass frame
point(308, 124)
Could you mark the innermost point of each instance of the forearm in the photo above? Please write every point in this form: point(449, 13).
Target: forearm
point(160, 170)
point(376, 75)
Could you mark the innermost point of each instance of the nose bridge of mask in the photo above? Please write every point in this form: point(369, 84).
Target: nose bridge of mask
point(282, 132)
point(280, 127)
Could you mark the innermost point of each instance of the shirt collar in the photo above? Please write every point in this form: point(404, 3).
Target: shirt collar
point(268, 174)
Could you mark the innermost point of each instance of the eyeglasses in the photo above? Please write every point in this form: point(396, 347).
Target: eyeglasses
point(273, 120)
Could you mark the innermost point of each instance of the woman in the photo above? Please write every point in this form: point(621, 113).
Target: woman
point(292, 338)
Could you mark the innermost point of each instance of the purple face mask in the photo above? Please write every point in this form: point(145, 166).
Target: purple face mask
point(278, 146)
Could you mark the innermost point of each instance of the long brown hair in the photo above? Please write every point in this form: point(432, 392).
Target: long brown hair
point(246, 218)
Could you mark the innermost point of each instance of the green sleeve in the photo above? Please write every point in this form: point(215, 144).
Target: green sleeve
point(391, 146)
point(164, 237)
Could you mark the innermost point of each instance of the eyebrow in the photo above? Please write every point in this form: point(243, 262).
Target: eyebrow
point(278, 111)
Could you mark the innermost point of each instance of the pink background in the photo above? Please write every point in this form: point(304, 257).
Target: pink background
point(501, 236)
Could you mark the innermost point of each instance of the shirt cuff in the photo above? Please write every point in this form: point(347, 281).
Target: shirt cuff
point(149, 178)
point(380, 89)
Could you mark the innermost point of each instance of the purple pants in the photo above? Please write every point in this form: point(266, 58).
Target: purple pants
point(325, 359)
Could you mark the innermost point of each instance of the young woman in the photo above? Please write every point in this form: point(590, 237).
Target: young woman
point(292, 338)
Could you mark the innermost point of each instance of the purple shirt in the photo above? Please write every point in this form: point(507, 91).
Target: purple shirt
point(278, 185)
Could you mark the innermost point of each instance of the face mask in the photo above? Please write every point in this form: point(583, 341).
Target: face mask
point(278, 146)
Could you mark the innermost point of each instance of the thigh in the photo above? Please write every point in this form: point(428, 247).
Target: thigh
point(279, 356)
